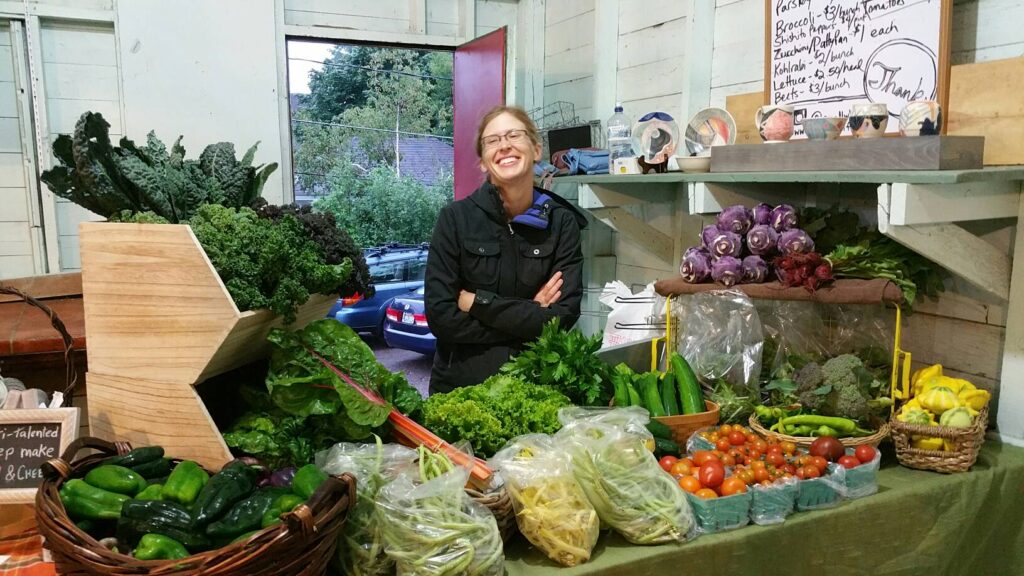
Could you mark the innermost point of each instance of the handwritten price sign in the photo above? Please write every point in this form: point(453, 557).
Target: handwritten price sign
point(28, 438)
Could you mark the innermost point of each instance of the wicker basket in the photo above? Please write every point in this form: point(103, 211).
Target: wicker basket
point(70, 374)
point(684, 425)
point(966, 445)
point(806, 441)
point(500, 504)
point(303, 545)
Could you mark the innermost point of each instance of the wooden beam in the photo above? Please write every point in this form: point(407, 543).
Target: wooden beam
point(467, 20)
point(370, 36)
point(596, 196)
point(700, 41)
point(653, 240)
point(17, 9)
point(418, 16)
point(1010, 416)
point(606, 57)
point(935, 203)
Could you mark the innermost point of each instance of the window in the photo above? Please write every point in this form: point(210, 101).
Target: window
point(386, 272)
point(416, 270)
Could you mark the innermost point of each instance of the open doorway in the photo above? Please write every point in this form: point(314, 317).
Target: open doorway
point(371, 131)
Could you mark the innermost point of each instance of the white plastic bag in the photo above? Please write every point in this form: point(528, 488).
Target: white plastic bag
point(633, 317)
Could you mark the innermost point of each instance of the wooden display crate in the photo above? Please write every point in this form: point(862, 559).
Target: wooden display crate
point(158, 321)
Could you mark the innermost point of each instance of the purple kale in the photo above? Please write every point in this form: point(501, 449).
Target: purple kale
point(762, 214)
point(726, 244)
point(707, 235)
point(727, 270)
point(795, 241)
point(696, 266)
point(762, 240)
point(755, 270)
point(735, 219)
point(783, 217)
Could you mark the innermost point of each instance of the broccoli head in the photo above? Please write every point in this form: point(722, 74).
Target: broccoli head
point(843, 371)
point(809, 378)
point(847, 401)
point(840, 387)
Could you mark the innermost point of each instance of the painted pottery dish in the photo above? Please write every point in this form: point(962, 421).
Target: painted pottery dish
point(694, 163)
point(709, 127)
point(868, 120)
point(824, 128)
point(774, 122)
point(921, 118)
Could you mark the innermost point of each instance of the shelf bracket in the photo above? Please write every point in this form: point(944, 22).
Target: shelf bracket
point(938, 203)
point(657, 242)
point(944, 243)
point(606, 204)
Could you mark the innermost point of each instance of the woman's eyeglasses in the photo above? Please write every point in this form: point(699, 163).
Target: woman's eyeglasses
point(512, 136)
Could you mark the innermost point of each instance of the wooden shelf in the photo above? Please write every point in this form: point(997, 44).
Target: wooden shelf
point(997, 173)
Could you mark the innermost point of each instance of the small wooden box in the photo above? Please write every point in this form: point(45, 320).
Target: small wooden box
point(853, 154)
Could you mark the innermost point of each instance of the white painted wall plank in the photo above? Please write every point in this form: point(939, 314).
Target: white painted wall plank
point(10, 136)
point(368, 23)
point(63, 114)
point(6, 63)
point(557, 11)
point(5, 34)
point(719, 93)
point(579, 92)
point(569, 34)
point(77, 44)
point(14, 239)
point(669, 103)
point(493, 14)
point(79, 4)
point(986, 30)
point(739, 43)
point(12, 171)
point(8, 100)
point(447, 11)
point(639, 14)
point(652, 44)
point(16, 266)
point(13, 201)
point(81, 82)
point(659, 78)
point(386, 9)
point(570, 65)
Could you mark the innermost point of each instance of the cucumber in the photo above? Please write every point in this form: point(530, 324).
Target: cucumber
point(669, 394)
point(665, 447)
point(634, 396)
point(689, 388)
point(650, 395)
point(659, 430)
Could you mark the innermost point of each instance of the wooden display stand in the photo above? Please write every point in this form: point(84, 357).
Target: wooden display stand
point(159, 321)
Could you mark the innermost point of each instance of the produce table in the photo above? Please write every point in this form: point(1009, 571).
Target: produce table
point(918, 523)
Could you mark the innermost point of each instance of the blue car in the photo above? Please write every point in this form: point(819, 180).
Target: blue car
point(395, 270)
point(405, 324)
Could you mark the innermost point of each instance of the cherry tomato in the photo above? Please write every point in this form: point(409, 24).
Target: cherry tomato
point(666, 462)
point(706, 494)
point(724, 430)
point(728, 460)
point(761, 445)
point(713, 437)
point(690, 484)
point(700, 457)
point(766, 483)
point(681, 468)
point(801, 472)
point(820, 463)
point(705, 434)
point(711, 474)
point(789, 469)
point(747, 476)
point(752, 438)
point(732, 486)
point(722, 445)
point(788, 447)
point(736, 438)
point(758, 464)
point(865, 453)
point(849, 461)
point(810, 471)
point(775, 458)
point(761, 474)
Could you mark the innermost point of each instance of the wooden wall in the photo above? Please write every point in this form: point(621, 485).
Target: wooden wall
point(16, 251)
point(569, 55)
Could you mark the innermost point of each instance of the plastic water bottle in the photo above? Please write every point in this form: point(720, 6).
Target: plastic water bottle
point(620, 144)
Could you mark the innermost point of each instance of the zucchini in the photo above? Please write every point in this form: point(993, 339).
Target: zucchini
point(634, 396)
point(689, 388)
point(650, 395)
point(665, 447)
point(669, 394)
point(659, 430)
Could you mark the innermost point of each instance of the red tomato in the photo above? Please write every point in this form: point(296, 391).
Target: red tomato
point(849, 461)
point(789, 468)
point(801, 472)
point(732, 486)
point(700, 457)
point(761, 445)
point(810, 471)
point(666, 462)
point(681, 468)
point(752, 438)
point(761, 474)
point(776, 458)
point(711, 474)
point(865, 453)
point(820, 463)
point(737, 438)
point(723, 444)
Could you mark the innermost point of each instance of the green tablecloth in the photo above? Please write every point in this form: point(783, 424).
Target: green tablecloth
point(919, 523)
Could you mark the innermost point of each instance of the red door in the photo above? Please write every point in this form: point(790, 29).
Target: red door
point(478, 86)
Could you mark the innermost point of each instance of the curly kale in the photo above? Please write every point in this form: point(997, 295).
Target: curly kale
point(265, 264)
point(490, 414)
point(335, 242)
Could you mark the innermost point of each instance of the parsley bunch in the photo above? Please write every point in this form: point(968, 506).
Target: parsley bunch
point(566, 361)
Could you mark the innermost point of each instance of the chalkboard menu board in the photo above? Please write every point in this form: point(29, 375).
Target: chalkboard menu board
point(28, 438)
point(824, 56)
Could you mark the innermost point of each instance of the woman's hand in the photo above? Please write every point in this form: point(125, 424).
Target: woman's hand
point(550, 292)
point(466, 300)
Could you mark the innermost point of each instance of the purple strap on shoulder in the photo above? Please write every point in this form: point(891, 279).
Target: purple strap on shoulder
point(536, 216)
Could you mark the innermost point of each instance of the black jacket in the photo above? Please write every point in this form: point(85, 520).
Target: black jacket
point(475, 248)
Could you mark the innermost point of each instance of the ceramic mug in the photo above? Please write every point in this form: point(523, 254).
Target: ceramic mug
point(921, 118)
point(824, 128)
point(868, 120)
point(774, 122)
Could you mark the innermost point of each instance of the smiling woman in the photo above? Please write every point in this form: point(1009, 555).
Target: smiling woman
point(503, 261)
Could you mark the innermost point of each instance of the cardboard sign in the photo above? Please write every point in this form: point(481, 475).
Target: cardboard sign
point(28, 438)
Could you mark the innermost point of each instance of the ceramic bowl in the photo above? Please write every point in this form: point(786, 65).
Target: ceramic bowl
point(921, 118)
point(824, 128)
point(694, 163)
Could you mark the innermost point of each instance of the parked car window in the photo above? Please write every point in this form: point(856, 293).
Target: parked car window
point(386, 272)
point(415, 270)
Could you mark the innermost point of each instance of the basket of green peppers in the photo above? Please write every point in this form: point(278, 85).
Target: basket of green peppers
point(121, 511)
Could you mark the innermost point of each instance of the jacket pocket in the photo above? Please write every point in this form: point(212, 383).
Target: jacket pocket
point(481, 263)
point(535, 263)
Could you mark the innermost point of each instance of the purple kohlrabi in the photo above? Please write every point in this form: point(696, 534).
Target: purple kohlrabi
point(696, 266)
point(755, 270)
point(726, 244)
point(761, 214)
point(762, 240)
point(795, 241)
point(727, 270)
point(783, 217)
point(707, 235)
point(735, 219)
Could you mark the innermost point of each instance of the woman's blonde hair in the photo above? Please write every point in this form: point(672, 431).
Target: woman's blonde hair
point(517, 113)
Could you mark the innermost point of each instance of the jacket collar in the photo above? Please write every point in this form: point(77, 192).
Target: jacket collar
point(545, 202)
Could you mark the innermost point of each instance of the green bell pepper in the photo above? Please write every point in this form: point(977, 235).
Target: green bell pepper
point(159, 547)
point(113, 478)
point(185, 482)
point(83, 501)
point(152, 492)
point(307, 479)
point(140, 517)
point(154, 468)
point(245, 515)
point(137, 456)
point(232, 484)
point(281, 505)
